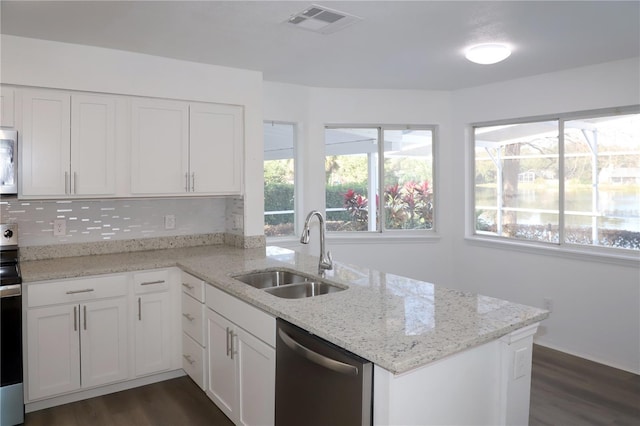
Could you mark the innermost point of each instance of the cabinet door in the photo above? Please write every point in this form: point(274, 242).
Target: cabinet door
point(93, 149)
point(256, 364)
point(216, 145)
point(153, 349)
point(159, 147)
point(103, 341)
point(221, 384)
point(7, 107)
point(45, 143)
point(53, 350)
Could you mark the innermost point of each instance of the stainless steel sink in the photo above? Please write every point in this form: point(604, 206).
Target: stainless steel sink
point(272, 278)
point(302, 290)
point(287, 284)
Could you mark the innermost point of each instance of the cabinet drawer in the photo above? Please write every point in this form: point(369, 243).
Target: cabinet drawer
point(151, 281)
point(255, 321)
point(76, 290)
point(193, 356)
point(193, 286)
point(192, 318)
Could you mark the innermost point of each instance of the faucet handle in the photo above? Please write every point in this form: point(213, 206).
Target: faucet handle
point(329, 260)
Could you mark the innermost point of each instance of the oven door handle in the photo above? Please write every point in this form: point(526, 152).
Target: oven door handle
point(10, 290)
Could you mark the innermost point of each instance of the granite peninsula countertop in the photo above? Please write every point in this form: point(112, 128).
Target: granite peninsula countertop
point(396, 322)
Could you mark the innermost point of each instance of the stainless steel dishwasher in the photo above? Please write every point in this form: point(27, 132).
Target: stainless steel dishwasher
point(318, 383)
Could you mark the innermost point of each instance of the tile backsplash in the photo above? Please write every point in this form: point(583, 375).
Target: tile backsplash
point(102, 220)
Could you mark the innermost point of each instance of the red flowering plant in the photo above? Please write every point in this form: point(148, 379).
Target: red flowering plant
point(356, 205)
point(409, 206)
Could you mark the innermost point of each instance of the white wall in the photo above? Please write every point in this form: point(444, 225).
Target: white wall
point(311, 109)
point(596, 304)
point(32, 62)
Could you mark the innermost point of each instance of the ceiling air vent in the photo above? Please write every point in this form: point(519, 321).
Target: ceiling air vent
point(321, 19)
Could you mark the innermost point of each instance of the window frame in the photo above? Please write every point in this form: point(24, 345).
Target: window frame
point(297, 181)
point(401, 235)
point(570, 250)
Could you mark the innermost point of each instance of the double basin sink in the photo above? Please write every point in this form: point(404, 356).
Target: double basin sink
point(287, 284)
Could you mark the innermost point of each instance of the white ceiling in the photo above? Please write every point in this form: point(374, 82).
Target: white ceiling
point(396, 45)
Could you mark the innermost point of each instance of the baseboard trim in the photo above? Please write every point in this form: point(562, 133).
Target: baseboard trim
point(102, 390)
point(587, 357)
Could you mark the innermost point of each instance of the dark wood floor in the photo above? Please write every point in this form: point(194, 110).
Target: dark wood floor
point(565, 391)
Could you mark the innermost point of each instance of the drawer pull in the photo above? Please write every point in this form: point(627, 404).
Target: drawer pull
point(188, 358)
point(139, 309)
point(152, 282)
point(85, 316)
point(189, 317)
point(86, 290)
point(75, 318)
point(188, 286)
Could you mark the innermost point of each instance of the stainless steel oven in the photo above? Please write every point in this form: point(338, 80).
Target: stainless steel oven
point(11, 388)
point(8, 162)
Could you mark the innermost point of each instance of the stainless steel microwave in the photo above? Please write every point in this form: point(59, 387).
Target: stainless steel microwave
point(8, 162)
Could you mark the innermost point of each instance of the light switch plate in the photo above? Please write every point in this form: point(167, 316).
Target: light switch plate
point(170, 221)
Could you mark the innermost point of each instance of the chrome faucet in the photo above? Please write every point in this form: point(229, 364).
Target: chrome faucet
point(326, 262)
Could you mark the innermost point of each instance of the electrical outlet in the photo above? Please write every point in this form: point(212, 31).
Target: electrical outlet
point(60, 227)
point(237, 221)
point(521, 363)
point(548, 304)
point(170, 221)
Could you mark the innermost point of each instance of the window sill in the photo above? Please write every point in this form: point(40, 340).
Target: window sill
point(590, 254)
point(382, 238)
point(369, 238)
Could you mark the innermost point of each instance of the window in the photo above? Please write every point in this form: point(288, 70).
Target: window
point(359, 167)
point(571, 180)
point(279, 179)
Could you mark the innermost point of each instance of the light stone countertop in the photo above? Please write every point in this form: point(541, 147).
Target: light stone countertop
point(396, 322)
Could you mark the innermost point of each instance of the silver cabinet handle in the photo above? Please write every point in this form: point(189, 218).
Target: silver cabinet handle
point(86, 290)
point(152, 282)
point(227, 341)
point(232, 350)
point(85, 317)
point(139, 309)
point(321, 360)
point(189, 317)
point(75, 183)
point(188, 358)
point(188, 286)
point(193, 182)
point(186, 186)
point(75, 318)
point(66, 182)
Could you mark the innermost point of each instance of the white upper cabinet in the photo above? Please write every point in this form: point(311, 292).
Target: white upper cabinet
point(93, 152)
point(216, 141)
point(159, 147)
point(68, 145)
point(186, 149)
point(45, 143)
point(7, 107)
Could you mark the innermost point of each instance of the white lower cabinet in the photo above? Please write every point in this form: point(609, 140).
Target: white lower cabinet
point(153, 322)
point(193, 330)
point(241, 379)
point(76, 345)
point(88, 332)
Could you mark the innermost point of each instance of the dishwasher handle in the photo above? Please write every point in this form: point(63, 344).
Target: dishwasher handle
point(321, 360)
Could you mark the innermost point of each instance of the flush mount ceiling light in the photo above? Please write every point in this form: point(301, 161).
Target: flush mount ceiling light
point(489, 53)
point(321, 19)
